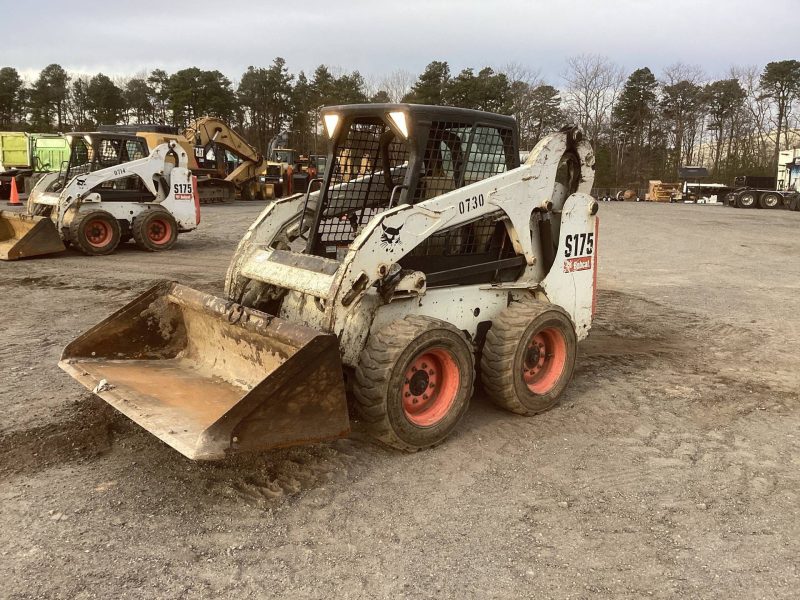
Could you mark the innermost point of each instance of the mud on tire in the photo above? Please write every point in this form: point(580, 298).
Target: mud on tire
point(155, 230)
point(414, 381)
point(95, 232)
point(528, 357)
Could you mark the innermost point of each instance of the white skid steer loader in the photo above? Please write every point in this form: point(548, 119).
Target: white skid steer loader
point(110, 192)
point(427, 253)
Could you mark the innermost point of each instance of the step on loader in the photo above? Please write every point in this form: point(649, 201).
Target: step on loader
point(109, 192)
point(427, 253)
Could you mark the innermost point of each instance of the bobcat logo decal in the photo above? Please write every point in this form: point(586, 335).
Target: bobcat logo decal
point(390, 236)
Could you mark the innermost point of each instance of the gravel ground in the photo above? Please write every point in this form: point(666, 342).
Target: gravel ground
point(669, 470)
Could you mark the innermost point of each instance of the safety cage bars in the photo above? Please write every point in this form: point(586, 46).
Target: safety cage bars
point(370, 170)
point(102, 153)
point(370, 162)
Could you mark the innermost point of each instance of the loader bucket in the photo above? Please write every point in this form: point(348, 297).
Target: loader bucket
point(208, 376)
point(24, 235)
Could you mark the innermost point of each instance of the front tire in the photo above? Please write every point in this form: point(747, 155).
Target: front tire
point(529, 357)
point(95, 232)
point(414, 381)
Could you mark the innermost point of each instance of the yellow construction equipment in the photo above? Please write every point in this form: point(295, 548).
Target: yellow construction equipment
point(213, 139)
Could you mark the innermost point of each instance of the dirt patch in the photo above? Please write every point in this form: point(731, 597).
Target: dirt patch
point(669, 470)
point(82, 431)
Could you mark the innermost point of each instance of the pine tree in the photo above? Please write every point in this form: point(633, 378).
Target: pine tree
point(11, 97)
point(431, 85)
point(780, 82)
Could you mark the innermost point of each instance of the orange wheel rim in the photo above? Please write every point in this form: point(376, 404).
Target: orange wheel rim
point(430, 387)
point(544, 360)
point(159, 231)
point(98, 233)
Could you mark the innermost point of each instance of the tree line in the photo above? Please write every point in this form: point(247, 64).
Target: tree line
point(643, 126)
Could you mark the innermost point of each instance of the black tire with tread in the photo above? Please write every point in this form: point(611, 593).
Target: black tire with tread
point(139, 230)
point(380, 372)
point(249, 190)
point(762, 200)
point(502, 351)
point(78, 238)
point(739, 200)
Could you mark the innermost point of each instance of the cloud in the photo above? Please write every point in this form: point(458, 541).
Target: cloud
point(124, 37)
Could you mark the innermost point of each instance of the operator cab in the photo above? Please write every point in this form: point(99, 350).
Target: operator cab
point(92, 151)
point(382, 155)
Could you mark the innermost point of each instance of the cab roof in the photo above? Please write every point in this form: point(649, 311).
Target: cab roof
point(424, 112)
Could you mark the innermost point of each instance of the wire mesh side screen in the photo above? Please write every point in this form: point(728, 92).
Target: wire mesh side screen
point(458, 154)
point(80, 160)
point(367, 166)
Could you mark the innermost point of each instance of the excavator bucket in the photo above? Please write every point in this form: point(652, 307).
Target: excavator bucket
point(209, 377)
point(24, 235)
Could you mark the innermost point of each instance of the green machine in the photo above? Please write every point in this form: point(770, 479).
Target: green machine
point(26, 156)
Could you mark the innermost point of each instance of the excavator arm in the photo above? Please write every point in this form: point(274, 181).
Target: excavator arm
point(210, 130)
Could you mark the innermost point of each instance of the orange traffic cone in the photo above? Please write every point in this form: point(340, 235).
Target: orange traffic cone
point(13, 197)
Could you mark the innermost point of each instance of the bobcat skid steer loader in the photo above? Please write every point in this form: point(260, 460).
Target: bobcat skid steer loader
point(111, 191)
point(428, 252)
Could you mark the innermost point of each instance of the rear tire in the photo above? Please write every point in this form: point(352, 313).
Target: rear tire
point(95, 233)
point(529, 357)
point(414, 381)
point(769, 201)
point(746, 200)
point(155, 230)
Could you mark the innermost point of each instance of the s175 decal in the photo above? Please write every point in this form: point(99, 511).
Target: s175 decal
point(183, 191)
point(578, 244)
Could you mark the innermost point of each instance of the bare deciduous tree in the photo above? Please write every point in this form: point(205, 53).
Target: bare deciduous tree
point(592, 85)
point(397, 84)
point(677, 72)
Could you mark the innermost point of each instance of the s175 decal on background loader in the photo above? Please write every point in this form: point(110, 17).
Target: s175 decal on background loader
point(111, 191)
point(427, 245)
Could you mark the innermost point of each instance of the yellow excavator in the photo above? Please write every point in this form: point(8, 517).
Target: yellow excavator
point(218, 147)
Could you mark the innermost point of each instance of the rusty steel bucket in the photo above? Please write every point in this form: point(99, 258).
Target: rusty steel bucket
point(209, 377)
point(24, 235)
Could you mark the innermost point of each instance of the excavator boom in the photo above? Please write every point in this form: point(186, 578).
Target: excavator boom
point(210, 130)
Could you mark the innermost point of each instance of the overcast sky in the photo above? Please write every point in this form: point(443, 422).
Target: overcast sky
point(123, 38)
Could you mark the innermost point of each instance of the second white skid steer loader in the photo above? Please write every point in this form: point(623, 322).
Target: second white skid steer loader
point(110, 191)
point(428, 253)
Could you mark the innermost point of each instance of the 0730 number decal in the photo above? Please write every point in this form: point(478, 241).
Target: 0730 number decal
point(470, 204)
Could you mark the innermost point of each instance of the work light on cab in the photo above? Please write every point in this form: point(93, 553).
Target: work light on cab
point(331, 122)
